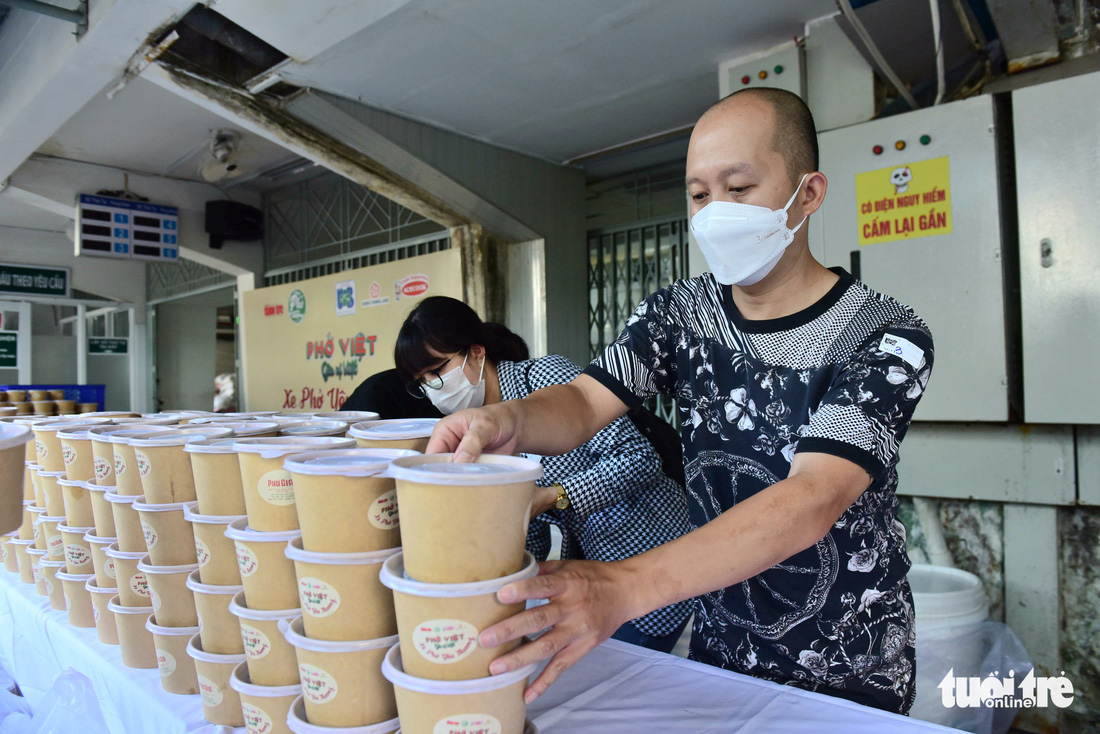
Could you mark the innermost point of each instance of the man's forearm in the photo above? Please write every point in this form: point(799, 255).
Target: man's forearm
point(552, 421)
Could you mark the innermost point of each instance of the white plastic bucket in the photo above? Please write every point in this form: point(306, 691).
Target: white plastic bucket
point(946, 597)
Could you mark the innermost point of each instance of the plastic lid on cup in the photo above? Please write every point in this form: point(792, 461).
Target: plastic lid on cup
point(488, 469)
point(124, 435)
point(296, 636)
point(79, 432)
point(392, 576)
point(241, 682)
point(346, 462)
point(210, 445)
point(395, 673)
point(81, 424)
point(307, 428)
point(296, 722)
point(177, 436)
point(272, 448)
point(12, 435)
point(295, 552)
point(348, 415)
point(191, 514)
point(194, 584)
point(239, 530)
point(238, 607)
point(394, 430)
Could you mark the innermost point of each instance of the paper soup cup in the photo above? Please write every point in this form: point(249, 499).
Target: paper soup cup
point(218, 627)
point(77, 552)
point(133, 585)
point(13, 470)
point(37, 534)
point(36, 557)
point(462, 523)
point(217, 476)
point(265, 708)
point(268, 487)
point(494, 703)
point(220, 703)
point(164, 467)
point(128, 529)
point(341, 596)
point(51, 492)
point(345, 504)
point(401, 433)
point(77, 501)
point(76, 451)
point(177, 669)
point(103, 517)
point(127, 472)
point(315, 428)
point(102, 566)
point(30, 514)
point(50, 584)
point(296, 721)
point(24, 561)
point(28, 481)
point(7, 552)
point(168, 536)
point(172, 601)
point(103, 453)
point(47, 447)
point(439, 623)
point(105, 627)
point(271, 659)
point(266, 573)
point(47, 528)
point(135, 641)
point(39, 498)
point(216, 554)
point(342, 682)
point(78, 600)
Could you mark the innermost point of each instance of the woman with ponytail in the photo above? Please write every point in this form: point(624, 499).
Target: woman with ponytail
point(609, 497)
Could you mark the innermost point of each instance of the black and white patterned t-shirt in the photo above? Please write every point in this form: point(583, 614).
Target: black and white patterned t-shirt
point(620, 502)
point(841, 377)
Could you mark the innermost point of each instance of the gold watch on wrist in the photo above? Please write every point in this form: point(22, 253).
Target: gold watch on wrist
point(562, 502)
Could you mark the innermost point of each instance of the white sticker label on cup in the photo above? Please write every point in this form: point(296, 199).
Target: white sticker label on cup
point(49, 586)
point(102, 468)
point(68, 454)
point(202, 553)
point(4, 552)
point(256, 643)
point(211, 692)
point(156, 599)
point(383, 511)
point(246, 559)
point(468, 724)
point(150, 534)
point(36, 531)
point(95, 613)
point(317, 685)
point(56, 546)
point(256, 720)
point(40, 449)
point(318, 598)
point(166, 663)
point(444, 640)
point(142, 463)
point(36, 573)
point(277, 488)
point(139, 584)
point(120, 465)
point(109, 568)
point(77, 555)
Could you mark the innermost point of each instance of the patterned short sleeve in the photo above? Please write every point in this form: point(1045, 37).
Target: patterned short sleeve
point(639, 363)
point(867, 408)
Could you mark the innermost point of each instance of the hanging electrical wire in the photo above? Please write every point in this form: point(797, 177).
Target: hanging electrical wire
point(849, 13)
point(937, 38)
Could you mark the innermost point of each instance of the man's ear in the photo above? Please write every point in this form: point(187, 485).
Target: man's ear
point(813, 193)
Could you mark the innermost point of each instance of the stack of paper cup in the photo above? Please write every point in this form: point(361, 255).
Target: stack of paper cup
point(350, 526)
point(47, 444)
point(13, 475)
point(463, 528)
point(7, 552)
point(405, 433)
point(164, 468)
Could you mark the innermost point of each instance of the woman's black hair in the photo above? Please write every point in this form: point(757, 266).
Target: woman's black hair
point(447, 325)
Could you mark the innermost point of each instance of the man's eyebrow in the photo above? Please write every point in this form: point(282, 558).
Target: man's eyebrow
point(726, 173)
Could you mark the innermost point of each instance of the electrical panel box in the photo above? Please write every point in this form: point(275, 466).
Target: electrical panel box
point(913, 208)
point(1057, 170)
point(781, 67)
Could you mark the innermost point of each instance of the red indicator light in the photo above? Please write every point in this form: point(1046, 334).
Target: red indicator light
point(745, 79)
point(877, 150)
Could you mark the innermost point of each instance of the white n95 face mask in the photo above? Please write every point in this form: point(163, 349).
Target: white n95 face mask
point(457, 393)
point(742, 242)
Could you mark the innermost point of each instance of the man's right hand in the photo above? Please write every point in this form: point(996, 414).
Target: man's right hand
point(470, 433)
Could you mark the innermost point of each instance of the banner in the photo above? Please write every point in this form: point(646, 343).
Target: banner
point(904, 202)
point(308, 345)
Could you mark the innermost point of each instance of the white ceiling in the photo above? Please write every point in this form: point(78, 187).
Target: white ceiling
point(556, 79)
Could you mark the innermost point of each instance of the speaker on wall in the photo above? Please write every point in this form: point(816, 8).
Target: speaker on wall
point(228, 220)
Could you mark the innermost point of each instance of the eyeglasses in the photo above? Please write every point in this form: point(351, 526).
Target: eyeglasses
point(431, 380)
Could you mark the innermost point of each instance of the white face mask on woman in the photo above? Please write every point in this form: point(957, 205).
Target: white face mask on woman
point(457, 393)
point(743, 242)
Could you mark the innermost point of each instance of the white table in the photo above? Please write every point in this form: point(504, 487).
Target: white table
point(617, 689)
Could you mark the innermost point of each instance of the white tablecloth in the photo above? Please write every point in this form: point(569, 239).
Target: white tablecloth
point(617, 689)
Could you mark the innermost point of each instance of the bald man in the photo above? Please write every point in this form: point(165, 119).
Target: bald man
point(795, 385)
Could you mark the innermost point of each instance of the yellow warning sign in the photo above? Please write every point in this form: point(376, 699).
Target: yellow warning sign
point(904, 202)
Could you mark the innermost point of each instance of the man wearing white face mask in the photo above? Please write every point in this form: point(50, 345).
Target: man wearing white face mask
point(795, 385)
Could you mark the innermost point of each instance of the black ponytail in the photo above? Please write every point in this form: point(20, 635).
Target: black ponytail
point(445, 326)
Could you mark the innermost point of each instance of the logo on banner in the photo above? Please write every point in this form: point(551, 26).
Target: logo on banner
point(274, 309)
point(376, 297)
point(1033, 691)
point(345, 298)
point(410, 286)
point(296, 305)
